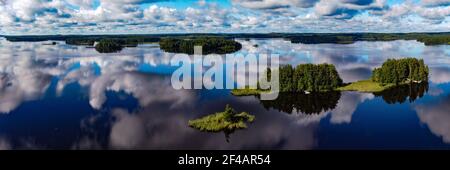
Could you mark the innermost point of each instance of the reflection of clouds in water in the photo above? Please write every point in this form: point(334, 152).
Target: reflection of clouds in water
point(28, 68)
point(84, 76)
point(155, 127)
point(22, 79)
point(141, 86)
point(437, 117)
point(347, 106)
point(440, 75)
point(158, 127)
point(342, 113)
point(4, 144)
point(128, 131)
point(86, 143)
point(434, 90)
point(353, 61)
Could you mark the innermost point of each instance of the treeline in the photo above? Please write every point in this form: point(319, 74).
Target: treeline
point(426, 38)
point(307, 38)
point(80, 41)
point(435, 40)
point(209, 45)
point(401, 71)
point(308, 77)
point(108, 46)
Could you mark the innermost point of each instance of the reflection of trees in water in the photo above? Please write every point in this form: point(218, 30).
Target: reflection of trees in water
point(313, 103)
point(402, 93)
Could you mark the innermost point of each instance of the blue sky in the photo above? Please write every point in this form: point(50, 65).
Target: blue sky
point(221, 16)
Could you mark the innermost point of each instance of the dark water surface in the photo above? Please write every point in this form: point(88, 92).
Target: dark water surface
point(71, 97)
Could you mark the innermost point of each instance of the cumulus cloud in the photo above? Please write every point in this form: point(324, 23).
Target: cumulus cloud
point(132, 16)
point(436, 2)
point(274, 4)
point(345, 9)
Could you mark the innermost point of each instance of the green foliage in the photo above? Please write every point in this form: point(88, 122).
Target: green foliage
point(314, 103)
point(80, 41)
point(247, 92)
point(108, 46)
point(309, 77)
point(435, 40)
point(399, 71)
point(305, 77)
point(365, 86)
point(307, 38)
point(228, 120)
point(209, 45)
point(347, 38)
point(287, 78)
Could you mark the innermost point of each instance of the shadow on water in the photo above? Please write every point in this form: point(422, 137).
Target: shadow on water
point(403, 93)
point(314, 103)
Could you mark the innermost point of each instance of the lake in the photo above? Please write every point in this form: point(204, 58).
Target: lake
point(72, 97)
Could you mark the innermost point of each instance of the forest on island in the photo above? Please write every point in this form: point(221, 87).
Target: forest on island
point(403, 70)
point(209, 45)
point(309, 77)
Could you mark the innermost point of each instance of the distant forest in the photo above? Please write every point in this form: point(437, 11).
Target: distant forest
point(306, 38)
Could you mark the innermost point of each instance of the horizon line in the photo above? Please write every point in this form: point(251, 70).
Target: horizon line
point(198, 33)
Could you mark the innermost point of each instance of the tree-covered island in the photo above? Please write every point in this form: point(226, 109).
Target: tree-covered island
point(108, 46)
point(302, 78)
point(392, 73)
point(325, 78)
point(209, 45)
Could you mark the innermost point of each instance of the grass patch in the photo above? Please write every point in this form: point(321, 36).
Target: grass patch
point(247, 92)
point(365, 86)
point(228, 120)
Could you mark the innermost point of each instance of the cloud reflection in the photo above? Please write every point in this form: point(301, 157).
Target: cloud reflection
point(437, 117)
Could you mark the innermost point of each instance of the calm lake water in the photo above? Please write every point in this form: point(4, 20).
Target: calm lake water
point(71, 97)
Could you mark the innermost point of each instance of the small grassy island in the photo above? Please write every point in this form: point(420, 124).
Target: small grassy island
point(210, 45)
point(325, 78)
point(228, 120)
point(365, 86)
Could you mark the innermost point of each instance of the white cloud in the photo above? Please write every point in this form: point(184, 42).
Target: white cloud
point(435, 2)
point(130, 16)
point(274, 4)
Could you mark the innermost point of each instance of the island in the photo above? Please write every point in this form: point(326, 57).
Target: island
point(108, 46)
point(393, 72)
point(304, 78)
point(324, 78)
point(227, 121)
point(210, 45)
